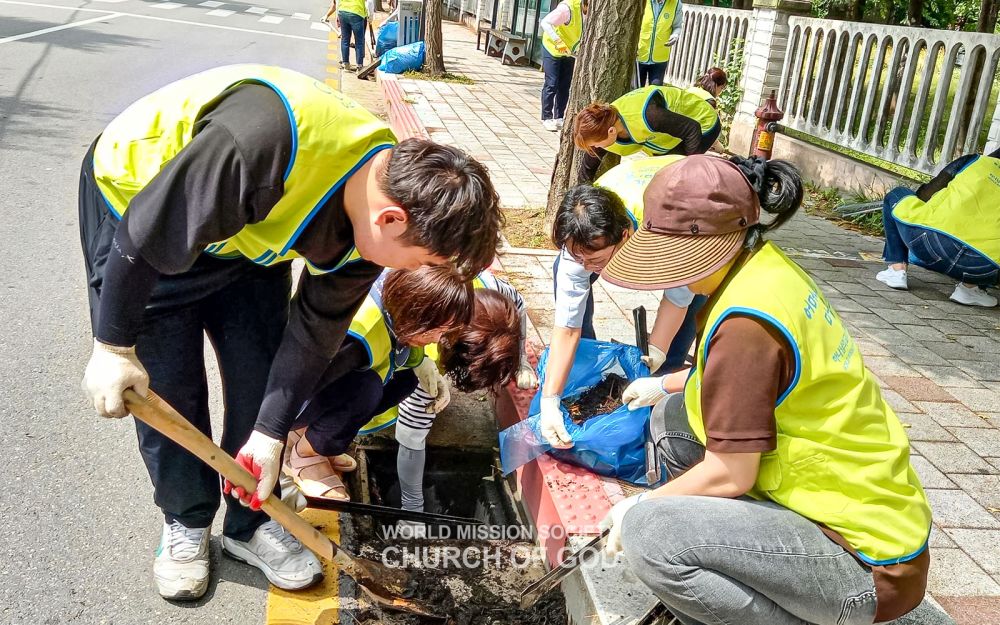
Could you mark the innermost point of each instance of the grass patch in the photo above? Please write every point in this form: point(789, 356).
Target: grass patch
point(822, 202)
point(460, 79)
point(525, 227)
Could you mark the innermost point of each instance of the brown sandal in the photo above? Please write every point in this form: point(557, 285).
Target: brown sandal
point(329, 486)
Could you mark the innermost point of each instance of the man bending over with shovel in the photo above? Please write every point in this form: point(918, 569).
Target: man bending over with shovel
point(191, 201)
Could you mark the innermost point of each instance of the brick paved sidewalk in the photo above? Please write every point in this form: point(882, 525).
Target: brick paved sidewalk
point(938, 362)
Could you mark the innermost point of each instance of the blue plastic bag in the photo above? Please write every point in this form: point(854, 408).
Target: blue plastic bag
point(612, 444)
point(403, 58)
point(388, 36)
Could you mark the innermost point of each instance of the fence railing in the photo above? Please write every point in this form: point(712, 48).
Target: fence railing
point(912, 96)
point(706, 37)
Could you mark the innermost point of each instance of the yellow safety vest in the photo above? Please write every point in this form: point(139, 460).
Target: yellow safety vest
point(631, 109)
point(570, 33)
point(968, 209)
point(842, 457)
point(385, 357)
point(629, 180)
point(332, 137)
point(703, 94)
point(655, 31)
point(387, 418)
point(356, 7)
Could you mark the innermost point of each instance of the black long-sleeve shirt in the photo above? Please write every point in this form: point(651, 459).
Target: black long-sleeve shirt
point(230, 175)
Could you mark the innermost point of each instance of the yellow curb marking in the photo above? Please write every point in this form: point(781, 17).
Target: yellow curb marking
point(319, 605)
point(334, 77)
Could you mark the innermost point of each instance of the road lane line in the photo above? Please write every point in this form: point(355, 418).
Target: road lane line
point(53, 29)
point(159, 19)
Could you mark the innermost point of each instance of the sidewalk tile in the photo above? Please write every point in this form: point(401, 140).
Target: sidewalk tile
point(923, 331)
point(983, 488)
point(917, 389)
point(889, 365)
point(896, 316)
point(917, 355)
point(924, 428)
point(952, 457)
point(984, 441)
point(985, 344)
point(898, 402)
point(983, 546)
point(939, 540)
point(956, 351)
point(983, 371)
point(925, 311)
point(954, 574)
point(930, 477)
point(953, 414)
point(955, 508)
point(978, 399)
point(947, 377)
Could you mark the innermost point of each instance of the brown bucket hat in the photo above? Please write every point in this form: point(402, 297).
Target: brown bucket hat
point(695, 219)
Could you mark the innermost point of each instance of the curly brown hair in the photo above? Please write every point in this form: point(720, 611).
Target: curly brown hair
point(426, 299)
point(485, 353)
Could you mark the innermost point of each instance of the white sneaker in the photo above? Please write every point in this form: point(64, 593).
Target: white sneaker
point(972, 296)
point(279, 555)
point(895, 278)
point(559, 123)
point(181, 566)
point(550, 124)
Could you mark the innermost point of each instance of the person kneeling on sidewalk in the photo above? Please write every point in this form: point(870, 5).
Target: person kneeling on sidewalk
point(950, 225)
point(791, 498)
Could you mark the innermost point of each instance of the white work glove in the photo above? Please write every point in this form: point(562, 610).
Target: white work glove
point(552, 424)
point(526, 377)
point(261, 456)
point(672, 40)
point(644, 392)
point(655, 359)
point(435, 384)
point(613, 522)
point(111, 370)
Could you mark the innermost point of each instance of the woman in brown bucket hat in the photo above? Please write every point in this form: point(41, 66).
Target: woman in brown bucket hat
point(791, 498)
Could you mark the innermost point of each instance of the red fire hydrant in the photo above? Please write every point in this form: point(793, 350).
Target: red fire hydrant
point(768, 117)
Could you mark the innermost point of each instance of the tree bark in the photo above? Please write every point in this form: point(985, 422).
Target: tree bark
point(988, 16)
point(915, 12)
point(605, 62)
point(434, 60)
point(857, 10)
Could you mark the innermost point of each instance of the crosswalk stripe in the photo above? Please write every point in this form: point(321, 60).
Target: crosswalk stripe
point(271, 19)
point(212, 4)
point(301, 16)
point(257, 10)
point(319, 26)
point(220, 13)
point(167, 5)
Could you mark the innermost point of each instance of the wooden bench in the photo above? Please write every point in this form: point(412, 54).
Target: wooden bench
point(511, 49)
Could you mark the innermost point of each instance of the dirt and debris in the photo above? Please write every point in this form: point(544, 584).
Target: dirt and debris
point(601, 399)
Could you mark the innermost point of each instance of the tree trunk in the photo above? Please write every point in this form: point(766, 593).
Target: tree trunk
point(434, 60)
point(915, 12)
point(988, 16)
point(857, 10)
point(605, 62)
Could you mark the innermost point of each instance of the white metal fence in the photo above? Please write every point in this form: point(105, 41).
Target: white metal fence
point(913, 96)
point(706, 40)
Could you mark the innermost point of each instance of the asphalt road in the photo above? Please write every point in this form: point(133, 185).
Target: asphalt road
point(77, 524)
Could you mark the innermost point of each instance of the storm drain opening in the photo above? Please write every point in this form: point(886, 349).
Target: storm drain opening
point(471, 574)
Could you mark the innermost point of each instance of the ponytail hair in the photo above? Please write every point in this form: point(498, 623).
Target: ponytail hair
point(591, 125)
point(778, 185)
point(714, 78)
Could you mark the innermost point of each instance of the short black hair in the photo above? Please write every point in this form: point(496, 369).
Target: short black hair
point(453, 209)
point(591, 217)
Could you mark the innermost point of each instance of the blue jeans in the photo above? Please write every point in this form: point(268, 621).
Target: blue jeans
point(932, 249)
point(351, 25)
point(719, 560)
point(652, 73)
point(555, 89)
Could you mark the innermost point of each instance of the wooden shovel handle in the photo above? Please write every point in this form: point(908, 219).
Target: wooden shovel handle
point(161, 416)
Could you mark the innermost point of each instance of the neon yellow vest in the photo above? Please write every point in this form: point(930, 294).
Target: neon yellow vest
point(842, 457)
point(389, 417)
point(332, 137)
point(968, 209)
point(570, 33)
point(631, 109)
point(704, 95)
point(356, 7)
point(655, 31)
point(629, 180)
point(369, 326)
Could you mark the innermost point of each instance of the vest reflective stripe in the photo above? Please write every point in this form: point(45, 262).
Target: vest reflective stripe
point(356, 7)
point(570, 33)
point(842, 456)
point(629, 179)
point(332, 137)
point(655, 31)
point(968, 209)
point(632, 107)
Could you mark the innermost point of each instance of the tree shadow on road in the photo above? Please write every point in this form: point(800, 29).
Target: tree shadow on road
point(83, 38)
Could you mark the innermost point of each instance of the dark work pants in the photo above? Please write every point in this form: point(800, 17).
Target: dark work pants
point(243, 308)
point(555, 89)
point(335, 414)
point(352, 25)
point(652, 73)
